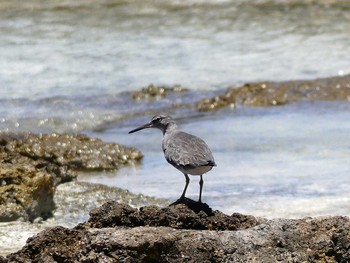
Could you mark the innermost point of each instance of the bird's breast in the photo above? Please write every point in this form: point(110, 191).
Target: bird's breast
point(197, 170)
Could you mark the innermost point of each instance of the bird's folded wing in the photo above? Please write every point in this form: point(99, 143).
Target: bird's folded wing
point(184, 149)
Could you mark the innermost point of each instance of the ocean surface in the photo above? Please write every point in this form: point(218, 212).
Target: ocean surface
point(70, 66)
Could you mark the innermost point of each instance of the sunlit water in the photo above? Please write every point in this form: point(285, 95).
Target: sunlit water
point(279, 162)
point(68, 67)
point(63, 48)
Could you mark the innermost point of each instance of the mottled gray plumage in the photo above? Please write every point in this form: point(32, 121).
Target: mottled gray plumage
point(186, 152)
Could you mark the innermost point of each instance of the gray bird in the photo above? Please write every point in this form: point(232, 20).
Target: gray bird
point(186, 152)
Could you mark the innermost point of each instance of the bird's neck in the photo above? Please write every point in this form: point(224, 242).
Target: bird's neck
point(171, 127)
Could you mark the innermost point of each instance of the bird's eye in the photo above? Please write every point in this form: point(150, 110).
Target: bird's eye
point(157, 119)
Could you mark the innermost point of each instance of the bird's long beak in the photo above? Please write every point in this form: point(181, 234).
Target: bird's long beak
point(147, 125)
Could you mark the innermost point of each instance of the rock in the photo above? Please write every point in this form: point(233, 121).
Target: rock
point(31, 166)
point(156, 92)
point(266, 94)
point(26, 188)
point(72, 151)
point(118, 233)
point(181, 216)
point(71, 207)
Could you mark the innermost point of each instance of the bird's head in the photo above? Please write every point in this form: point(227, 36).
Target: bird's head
point(160, 121)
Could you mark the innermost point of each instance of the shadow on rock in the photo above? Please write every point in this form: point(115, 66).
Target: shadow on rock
point(187, 215)
point(119, 233)
point(195, 206)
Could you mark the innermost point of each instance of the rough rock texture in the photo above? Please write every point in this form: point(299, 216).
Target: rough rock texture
point(73, 200)
point(118, 233)
point(182, 216)
point(280, 93)
point(156, 92)
point(73, 151)
point(31, 166)
point(26, 189)
point(73, 206)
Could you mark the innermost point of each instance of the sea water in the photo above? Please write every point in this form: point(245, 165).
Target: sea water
point(69, 66)
point(287, 161)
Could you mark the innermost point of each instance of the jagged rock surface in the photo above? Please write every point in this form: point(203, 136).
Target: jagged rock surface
point(264, 94)
point(119, 233)
point(31, 166)
point(72, 151)
point(156, 92)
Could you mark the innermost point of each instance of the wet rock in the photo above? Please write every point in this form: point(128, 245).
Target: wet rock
point(72, 207)
point(156, 92)
point(31, 166)
point(72, 151)
point(119, 233)
point(26, 188)
point(266, 94)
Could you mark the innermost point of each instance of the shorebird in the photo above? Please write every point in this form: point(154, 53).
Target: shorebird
point(186, 152)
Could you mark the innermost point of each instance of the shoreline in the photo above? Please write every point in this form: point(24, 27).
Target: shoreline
point(178, 100)
point(53, 159)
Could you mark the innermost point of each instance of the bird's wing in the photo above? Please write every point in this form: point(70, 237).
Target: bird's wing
point(183, 149)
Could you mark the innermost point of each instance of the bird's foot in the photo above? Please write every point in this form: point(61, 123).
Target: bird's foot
point(195, 206)
point(181, 200)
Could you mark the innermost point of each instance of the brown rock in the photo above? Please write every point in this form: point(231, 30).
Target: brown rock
point(156, 92)
point(26, 191)
point(118, 239)
point(31, 166)
point(181, 216)
point(266, 94)
point(72, 151)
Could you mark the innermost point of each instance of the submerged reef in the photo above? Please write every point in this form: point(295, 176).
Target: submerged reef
point(264, 94)
point(118, 233)
point(31, 167)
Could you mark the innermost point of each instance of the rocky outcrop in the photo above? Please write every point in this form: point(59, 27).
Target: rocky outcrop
point(156, 92)
point(73, 202)
point(119, 233)
point(72, 151)
point(26, 189)
point(31, 166)
point(266, 94)
point(187, 215)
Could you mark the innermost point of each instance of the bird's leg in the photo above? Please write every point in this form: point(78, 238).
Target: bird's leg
point(200, 189)
point(184, 192)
